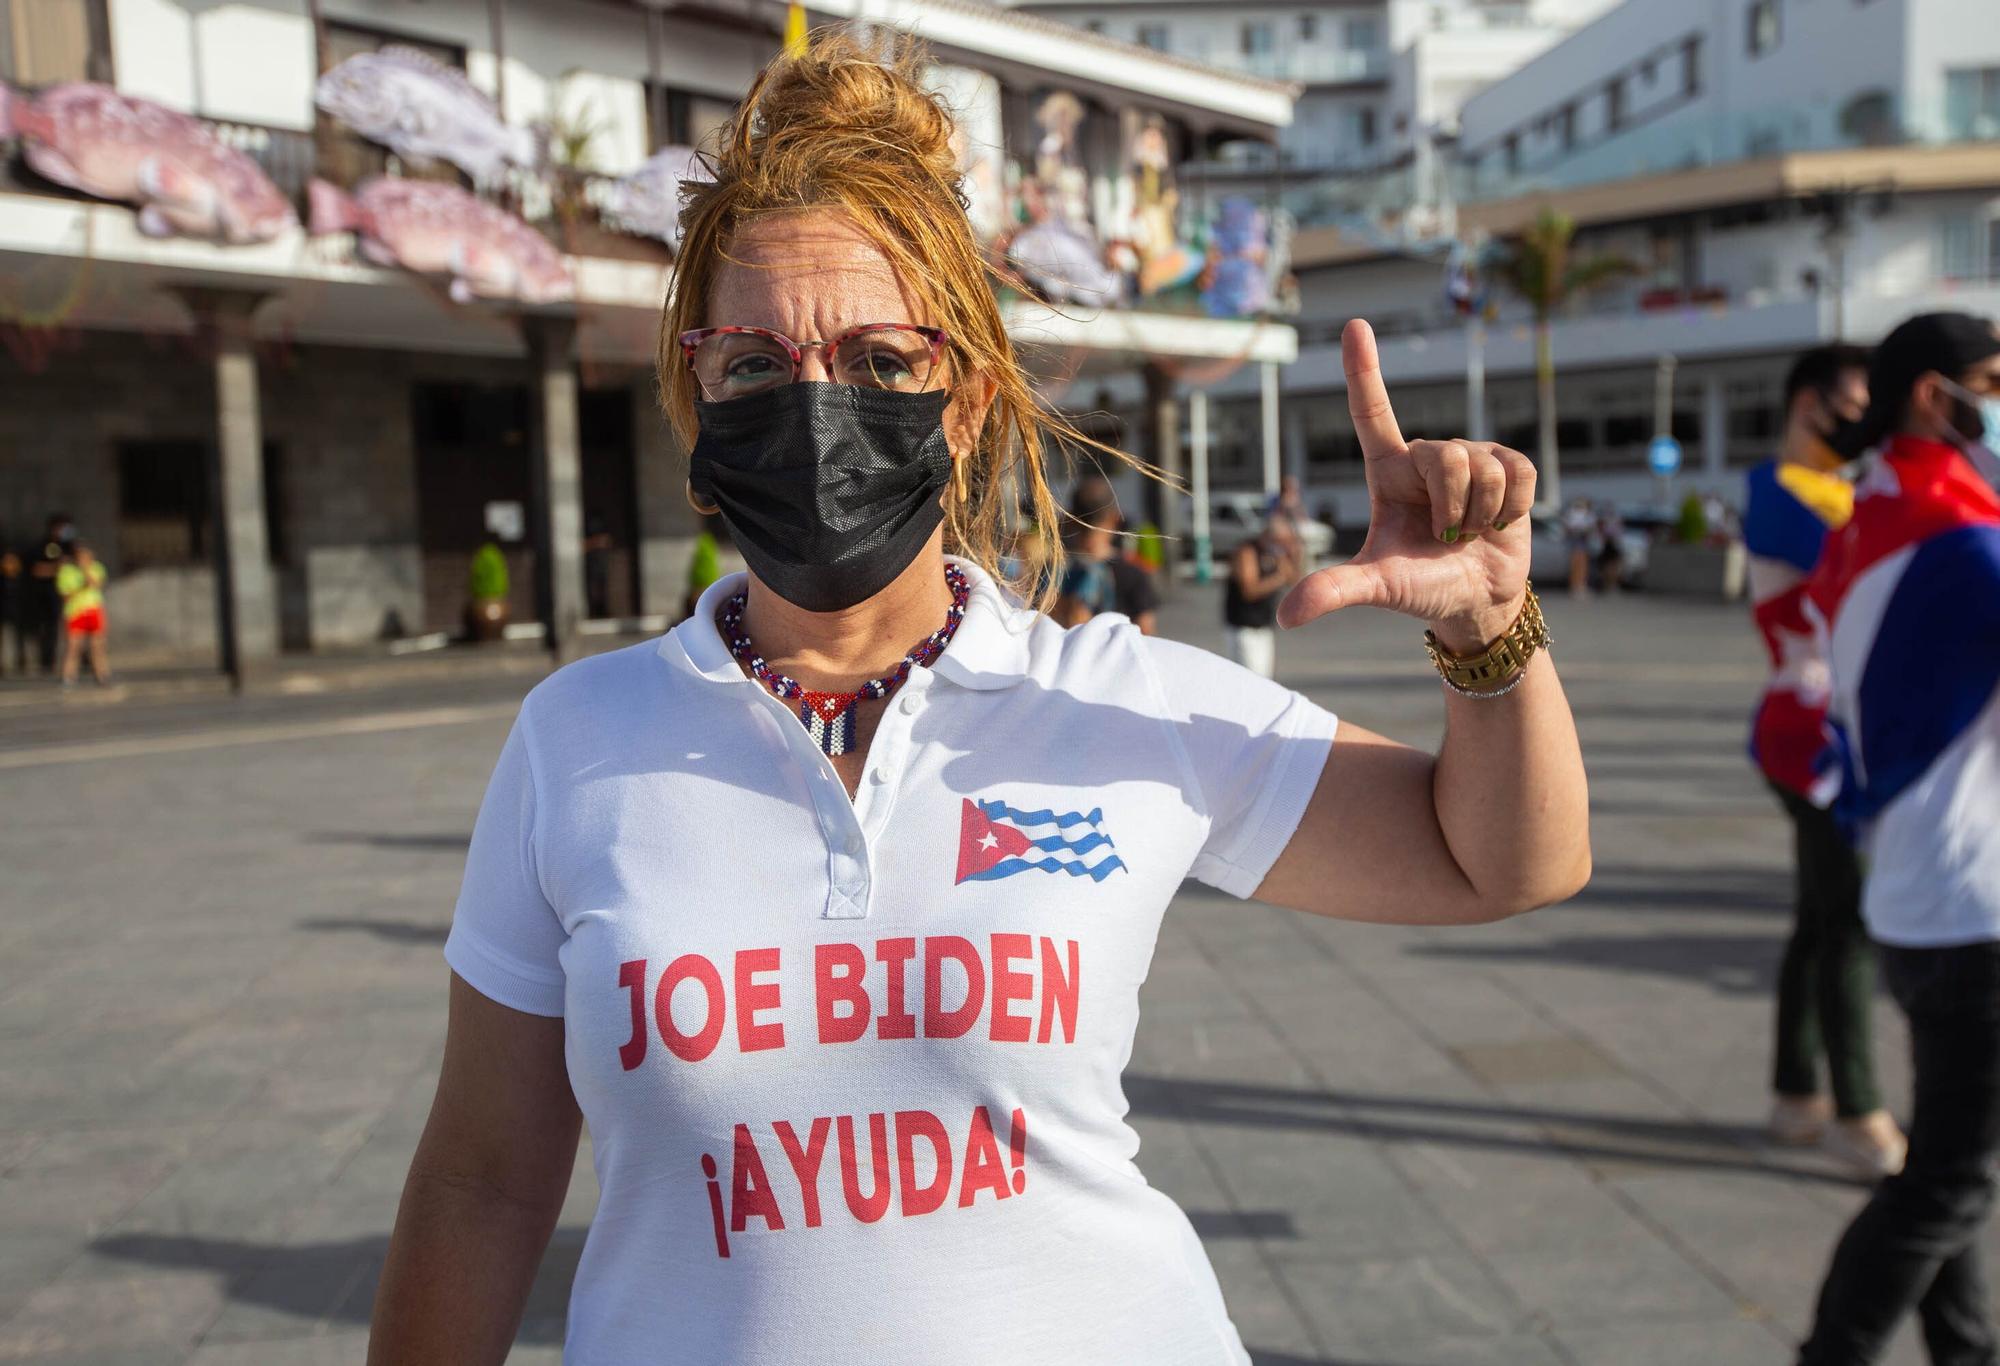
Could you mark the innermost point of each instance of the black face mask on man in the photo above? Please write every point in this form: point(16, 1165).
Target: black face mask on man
point(829, 490)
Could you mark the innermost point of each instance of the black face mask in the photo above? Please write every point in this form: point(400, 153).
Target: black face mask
point(829, 490)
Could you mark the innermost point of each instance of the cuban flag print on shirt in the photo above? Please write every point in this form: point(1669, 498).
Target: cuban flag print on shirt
point(1786, 518)
point(996, 840)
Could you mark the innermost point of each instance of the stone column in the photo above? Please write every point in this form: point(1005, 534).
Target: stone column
point(667, 525)
point(1714, 425)
point(246, 609)
point(1164, 418)
point(556, 482)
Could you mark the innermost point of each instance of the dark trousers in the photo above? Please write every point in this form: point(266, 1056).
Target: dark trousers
point(1916, 1243)
point(1827, 980)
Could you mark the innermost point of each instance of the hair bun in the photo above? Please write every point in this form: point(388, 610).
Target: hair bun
point(838, 94)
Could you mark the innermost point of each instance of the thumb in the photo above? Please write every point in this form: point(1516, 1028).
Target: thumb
point(1353, 584)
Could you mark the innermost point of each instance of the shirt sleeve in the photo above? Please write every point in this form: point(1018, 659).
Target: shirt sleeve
point(505, 936)
point(1253, 750)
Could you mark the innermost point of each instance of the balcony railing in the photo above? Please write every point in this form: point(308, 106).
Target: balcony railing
point(1308, 66)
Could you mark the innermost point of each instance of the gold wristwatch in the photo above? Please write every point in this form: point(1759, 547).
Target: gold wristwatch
point(1496, 670)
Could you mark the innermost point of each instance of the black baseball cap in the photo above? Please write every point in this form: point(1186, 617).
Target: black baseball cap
point(1948, 343)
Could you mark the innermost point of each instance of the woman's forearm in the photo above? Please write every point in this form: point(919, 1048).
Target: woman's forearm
point(460, 1263)
point(1511, 796)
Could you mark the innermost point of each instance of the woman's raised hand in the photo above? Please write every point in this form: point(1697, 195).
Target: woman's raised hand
point(1448, 534)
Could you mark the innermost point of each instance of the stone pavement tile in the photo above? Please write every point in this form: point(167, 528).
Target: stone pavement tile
point(296, 1288)
point(1192, 1045)
point(1506, 1200)
point(348, 1347)
point(1769, 1238)
point(31, 1258)
point(1260, 1304)
point(136, 1312)
point(1736, 1342)
point(1345, 1200)
point(1597, 1276)
point(1359, 1304)
point(1511, 1349)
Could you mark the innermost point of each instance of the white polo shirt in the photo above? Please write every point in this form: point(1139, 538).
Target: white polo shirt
point(852, 1068)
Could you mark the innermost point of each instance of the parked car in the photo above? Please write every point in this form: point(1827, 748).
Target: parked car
point(1234, 518)
point(1548, 559)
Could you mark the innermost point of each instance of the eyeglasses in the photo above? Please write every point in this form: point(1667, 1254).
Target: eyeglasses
point(731, 362)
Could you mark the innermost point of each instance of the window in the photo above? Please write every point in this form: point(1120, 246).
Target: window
point(682, 118)
point(1566, 127)
point(1308, 27)
point(1763, 27)
point(1258, 40)
point(1364, 126)
point(43, 42)
point(162, 504)
point(1691, 67)
point(1957, 256)
point(1153, 36)
point(1513, 152)
point(1364, 34)
point(1614, 104)
point(1972, 102)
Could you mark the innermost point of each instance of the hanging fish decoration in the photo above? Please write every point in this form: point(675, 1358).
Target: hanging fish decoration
point(423, 111)
point(646, 202)
point(183, 178)
point(435, 228)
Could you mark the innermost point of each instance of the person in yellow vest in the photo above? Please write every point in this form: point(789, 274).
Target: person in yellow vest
point(80, 584)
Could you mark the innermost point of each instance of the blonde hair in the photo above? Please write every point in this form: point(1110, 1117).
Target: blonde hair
point(841, 128)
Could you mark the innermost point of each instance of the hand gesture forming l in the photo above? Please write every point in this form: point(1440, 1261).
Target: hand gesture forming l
point(1448, 535)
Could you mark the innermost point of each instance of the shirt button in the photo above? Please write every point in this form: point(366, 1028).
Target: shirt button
point(852, 844)
point(909, 705)
point(878, 776)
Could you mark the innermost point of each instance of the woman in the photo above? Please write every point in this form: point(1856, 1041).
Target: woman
point(844, 987)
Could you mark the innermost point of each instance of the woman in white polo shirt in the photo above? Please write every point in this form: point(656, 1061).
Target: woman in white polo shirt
point(829, 909)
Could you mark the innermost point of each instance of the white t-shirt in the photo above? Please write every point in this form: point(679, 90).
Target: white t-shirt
point(875, 1113)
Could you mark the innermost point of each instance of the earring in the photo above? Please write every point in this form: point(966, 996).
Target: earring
point(708, 511)
point(958, 480)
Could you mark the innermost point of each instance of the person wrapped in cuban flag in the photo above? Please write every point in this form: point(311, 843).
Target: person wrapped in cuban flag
point(1906, 598)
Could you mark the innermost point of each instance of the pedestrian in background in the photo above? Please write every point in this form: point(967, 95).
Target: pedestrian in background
point(13, 625)
point(1909, 594)
point(1090, 535)
point(1827, 981)
point(43, 604)
point(80, 582)
point(1134, 591)
point(1260, 571)
point(1579, 529)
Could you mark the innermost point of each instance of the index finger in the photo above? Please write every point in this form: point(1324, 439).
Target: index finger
point(1367, 396)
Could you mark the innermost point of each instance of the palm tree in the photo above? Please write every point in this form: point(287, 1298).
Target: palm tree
point(1542, 270)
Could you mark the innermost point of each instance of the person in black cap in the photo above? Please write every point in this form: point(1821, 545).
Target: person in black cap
point(1908, 593)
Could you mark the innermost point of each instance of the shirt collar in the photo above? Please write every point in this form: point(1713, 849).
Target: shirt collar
point(989, 651)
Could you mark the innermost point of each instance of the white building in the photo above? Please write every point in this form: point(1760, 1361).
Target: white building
point(318, 442)
point(1779, 172)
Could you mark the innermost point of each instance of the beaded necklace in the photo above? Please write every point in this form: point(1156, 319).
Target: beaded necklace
point(829, 716)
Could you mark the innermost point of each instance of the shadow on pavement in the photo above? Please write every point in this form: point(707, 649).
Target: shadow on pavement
point(1728, 964)
point(444, 842)
point(1573, 1134)
point(1730, 889)
point(394, 931)
point(335, 1282)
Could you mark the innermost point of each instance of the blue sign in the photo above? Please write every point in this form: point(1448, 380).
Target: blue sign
point(1664, 456)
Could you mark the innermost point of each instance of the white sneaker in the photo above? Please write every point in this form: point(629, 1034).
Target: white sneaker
point(1872, 1143)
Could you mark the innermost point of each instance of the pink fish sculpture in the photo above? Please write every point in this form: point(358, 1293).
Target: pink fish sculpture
point(436, 228)
point(184, 179)
point(423, 110)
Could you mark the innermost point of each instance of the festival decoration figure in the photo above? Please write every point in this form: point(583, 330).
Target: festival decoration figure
point(1057, 253)
point(184, 179)
point(1236, 284)
point(423, 110)
point(1164, 261)
point(437, 229)
point(646, 202)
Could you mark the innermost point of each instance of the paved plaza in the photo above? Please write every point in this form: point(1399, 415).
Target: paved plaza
point(222, 1008)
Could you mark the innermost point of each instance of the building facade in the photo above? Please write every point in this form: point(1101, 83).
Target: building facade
point(299, 443)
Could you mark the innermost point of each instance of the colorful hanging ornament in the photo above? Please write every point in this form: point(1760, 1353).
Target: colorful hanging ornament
point(829, 716)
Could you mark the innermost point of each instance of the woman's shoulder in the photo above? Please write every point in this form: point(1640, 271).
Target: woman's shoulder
point(607, 692)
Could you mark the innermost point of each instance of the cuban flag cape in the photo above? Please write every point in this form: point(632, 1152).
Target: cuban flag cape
point(1787, 514)
point(996, 840)
point(1907, 598)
